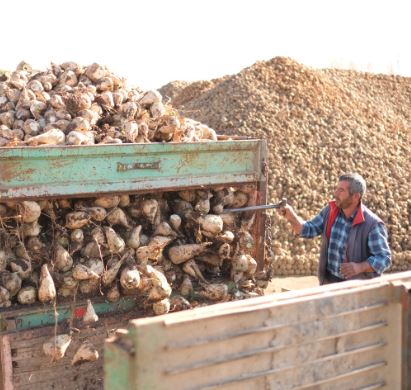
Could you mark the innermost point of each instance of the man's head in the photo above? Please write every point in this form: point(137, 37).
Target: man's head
point(350, 189)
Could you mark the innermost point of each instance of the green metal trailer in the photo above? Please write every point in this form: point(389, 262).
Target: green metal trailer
point(81, 171)
point(45, 172)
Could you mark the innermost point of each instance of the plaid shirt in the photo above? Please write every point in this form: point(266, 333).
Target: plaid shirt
point(377, 242)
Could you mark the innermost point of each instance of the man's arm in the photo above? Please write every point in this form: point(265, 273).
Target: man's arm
point(306, 229)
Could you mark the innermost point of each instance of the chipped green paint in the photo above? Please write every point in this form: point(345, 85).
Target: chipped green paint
point(118, 373)
point(81, 170)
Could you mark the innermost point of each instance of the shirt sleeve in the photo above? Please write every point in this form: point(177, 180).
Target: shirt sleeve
point(380, 258)
point(314, 227)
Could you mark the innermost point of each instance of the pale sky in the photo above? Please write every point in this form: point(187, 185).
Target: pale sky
point(154, 42)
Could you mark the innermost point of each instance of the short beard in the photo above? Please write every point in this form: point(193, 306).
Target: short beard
point(346, 203)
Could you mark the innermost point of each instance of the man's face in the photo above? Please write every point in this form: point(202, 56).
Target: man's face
point(342, 196)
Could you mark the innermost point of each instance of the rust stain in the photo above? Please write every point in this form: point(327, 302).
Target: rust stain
point(10, 170)
point(187, 159)
point(26, 173)
point(6, 171)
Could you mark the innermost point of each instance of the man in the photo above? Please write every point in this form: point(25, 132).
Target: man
point(354, 240)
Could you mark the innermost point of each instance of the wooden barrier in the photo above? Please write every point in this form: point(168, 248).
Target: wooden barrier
point(343, 336)
point(23, 364)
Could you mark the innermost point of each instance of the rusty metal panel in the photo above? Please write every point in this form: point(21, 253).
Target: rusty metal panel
point(86, 170)
point(344, 337)
point(259, 229)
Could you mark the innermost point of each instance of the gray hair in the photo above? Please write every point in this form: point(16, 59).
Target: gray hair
point(357, 183)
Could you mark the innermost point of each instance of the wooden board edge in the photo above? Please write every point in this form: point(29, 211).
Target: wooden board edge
point(6, 367)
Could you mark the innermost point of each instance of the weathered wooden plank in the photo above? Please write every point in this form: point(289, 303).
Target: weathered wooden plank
point(44, 363)
point(36, 350)
point(32, 368)
point(47, 369)
point(327, 327)
point(41, 361)
point(287, 376)
point(361, 374)
point(87, 381)
point(339, 302)
point(52, 370)
point(365, 378)
point(359, 380)
point(38, 339)
point(198, 357)
point(72, 378)
point(31, 357)
point(322, 340)
point(6, 368)
point(267, 317)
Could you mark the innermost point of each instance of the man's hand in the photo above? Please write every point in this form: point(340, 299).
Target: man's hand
point(296, 222)
point(350, 269)
point(286, 211)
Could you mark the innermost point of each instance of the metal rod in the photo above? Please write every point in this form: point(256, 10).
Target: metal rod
point(260, 207)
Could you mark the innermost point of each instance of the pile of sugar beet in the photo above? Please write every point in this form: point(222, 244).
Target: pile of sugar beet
point(318, 123)
point(73, 105)
point(170, 250)
point(143, 245)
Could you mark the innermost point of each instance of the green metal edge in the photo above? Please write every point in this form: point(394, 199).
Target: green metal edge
point(91, 169)
point(119, 150)
point(47, 317)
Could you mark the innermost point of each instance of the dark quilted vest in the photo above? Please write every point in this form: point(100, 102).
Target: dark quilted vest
point(357, 245)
